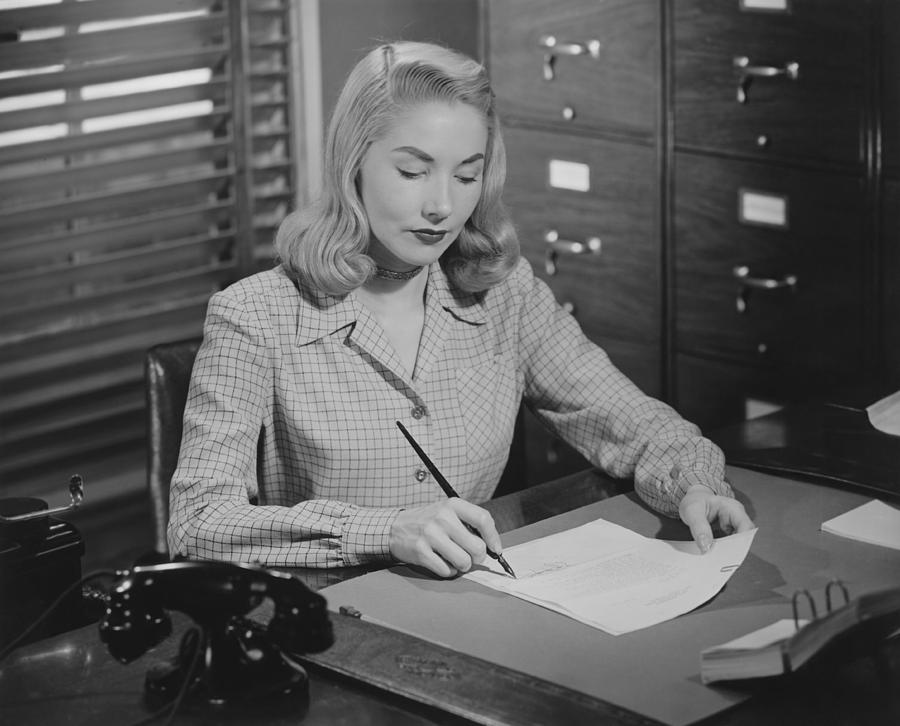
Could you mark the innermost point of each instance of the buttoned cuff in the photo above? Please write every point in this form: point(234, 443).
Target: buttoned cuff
point(366, 535)
point(717, 484)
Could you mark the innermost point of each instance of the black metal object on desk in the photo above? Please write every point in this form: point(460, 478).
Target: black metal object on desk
point(40, 557)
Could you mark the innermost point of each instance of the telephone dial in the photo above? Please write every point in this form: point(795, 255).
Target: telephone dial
point(229, 658)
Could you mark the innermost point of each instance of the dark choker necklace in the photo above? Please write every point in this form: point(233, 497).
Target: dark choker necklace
point(386, 274)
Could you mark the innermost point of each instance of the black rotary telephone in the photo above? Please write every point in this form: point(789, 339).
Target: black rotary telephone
point(230, 658)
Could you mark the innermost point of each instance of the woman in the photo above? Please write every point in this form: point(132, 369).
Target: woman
point(401, 296)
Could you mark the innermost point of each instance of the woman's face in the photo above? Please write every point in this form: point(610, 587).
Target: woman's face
point(421, 181)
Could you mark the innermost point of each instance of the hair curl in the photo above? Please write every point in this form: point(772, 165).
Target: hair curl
point(325, 244)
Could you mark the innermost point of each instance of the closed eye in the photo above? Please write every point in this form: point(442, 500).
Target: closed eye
point(467, 179)
point(410, 174)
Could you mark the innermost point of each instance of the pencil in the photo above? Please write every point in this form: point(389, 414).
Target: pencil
point(449, 491)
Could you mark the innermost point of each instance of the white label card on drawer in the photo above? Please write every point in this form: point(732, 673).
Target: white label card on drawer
point(766, 6)
point(569, 175)
point(770, 210)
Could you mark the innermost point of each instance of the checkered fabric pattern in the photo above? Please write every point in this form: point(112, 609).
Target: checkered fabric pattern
point(291, 455)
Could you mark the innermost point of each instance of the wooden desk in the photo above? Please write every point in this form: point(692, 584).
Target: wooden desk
point(71, 678)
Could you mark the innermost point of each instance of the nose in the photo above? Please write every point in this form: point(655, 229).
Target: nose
point(437, 206)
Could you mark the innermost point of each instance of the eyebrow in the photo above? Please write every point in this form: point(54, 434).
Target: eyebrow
point(422, 156)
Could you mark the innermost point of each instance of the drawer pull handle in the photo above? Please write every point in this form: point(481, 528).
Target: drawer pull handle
point(791, 71)
point(557, 246)
point(554, 48)
point(748, 283)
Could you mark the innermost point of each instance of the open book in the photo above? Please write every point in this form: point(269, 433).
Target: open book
point(786, 645)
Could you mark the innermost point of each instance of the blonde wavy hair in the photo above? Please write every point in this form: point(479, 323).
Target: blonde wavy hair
point(325, 244)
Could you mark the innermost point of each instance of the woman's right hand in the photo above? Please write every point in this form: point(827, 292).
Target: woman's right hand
point(435, 536)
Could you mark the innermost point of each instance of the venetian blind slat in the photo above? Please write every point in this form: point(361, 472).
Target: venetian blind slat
point(121, 42)
point(69, 14)
point(143, 133)
point(112, 71)
point(183, 254)
point(109, 173)
point(64, 312)
point(115, 204)
point(26, 253)
point(82, 111)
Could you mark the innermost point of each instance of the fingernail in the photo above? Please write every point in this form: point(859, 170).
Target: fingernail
point(705, 542)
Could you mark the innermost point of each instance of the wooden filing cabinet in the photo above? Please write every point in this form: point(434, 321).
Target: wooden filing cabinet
point(578, 89)
point(771, 225)
point(744, 167)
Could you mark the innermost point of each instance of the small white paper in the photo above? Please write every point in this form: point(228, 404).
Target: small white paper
point(884, 415)
point(873, 522)
point(611, 578)
point(770, 6)
point(770, 210)
point(569, 175)
point(766, 636)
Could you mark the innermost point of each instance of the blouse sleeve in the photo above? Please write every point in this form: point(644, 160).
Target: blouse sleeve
point(573, 387)
point(211, 511)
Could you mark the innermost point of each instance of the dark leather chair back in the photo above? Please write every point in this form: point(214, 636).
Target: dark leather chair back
point(167, 372)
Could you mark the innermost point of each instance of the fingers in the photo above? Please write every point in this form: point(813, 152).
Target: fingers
point(701, 531)
point(481, 521)
point(443, 558)
point(438, 536)
point(732, 516)
point(701, 507)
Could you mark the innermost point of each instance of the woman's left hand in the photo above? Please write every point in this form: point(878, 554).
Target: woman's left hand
point(701, 507)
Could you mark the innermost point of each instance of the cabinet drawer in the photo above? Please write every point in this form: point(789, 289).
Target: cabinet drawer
point(796, 223)
point(715, 393)
point(612, 84)
point(614, 290)
point(817, 115)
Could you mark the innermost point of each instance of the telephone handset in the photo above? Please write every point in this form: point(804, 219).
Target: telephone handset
point(239, 656)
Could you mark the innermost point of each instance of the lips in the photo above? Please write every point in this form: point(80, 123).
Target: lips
point(429, 236)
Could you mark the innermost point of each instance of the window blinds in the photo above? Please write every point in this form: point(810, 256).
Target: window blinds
point(145, 162)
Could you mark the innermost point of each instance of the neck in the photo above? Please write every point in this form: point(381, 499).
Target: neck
point(389, 292)
point(384, 273)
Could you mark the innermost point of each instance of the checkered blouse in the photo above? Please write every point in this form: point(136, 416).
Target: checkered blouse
point(291, 456)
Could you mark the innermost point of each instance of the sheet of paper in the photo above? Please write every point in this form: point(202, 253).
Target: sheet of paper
point(763, 637)
point(614, 579)
point(873, 522)
point(884, 415)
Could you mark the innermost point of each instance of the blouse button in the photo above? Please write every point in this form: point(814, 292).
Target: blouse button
point(418, 412)
point(421, 475)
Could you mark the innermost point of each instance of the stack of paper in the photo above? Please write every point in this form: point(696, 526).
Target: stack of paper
point(874, 522)
point(614, 579)
point(884, 415)
point(757, 654)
